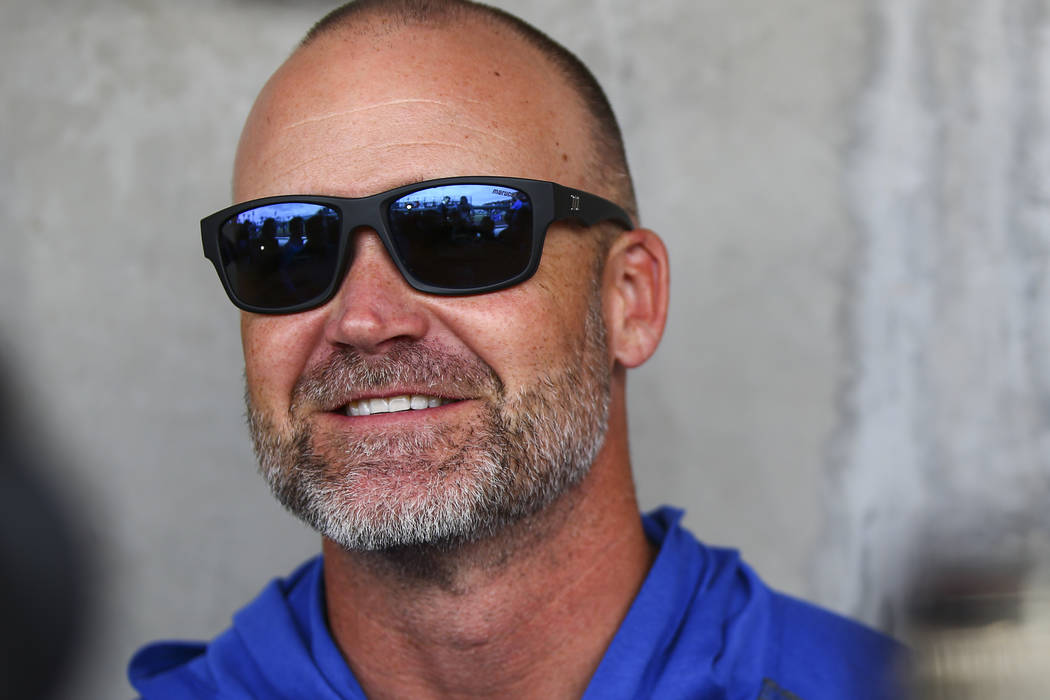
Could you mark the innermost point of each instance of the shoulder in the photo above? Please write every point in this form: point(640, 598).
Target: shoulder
point(816, 653)
point(749, 640)
point(265, 646)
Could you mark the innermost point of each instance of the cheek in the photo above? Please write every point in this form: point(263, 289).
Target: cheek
point(528, 330)
point(276, 351)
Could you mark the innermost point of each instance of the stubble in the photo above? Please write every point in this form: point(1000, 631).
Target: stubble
point(441, 485)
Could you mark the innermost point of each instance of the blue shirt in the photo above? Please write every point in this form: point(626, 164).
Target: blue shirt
point(702, 626)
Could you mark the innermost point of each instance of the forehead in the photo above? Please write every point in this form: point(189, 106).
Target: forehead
point(354, 114)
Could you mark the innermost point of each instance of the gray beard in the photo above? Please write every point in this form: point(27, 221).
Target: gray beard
point(441, 485)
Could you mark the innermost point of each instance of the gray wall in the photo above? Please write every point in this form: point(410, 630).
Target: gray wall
point(855, 195)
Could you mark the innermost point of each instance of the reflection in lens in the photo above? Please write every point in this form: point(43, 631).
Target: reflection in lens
point(280, 254)
point(463, 236)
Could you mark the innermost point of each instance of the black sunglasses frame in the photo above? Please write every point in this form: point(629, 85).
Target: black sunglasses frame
point(550, 201)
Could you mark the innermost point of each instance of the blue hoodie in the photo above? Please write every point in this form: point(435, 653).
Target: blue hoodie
point(702, 626)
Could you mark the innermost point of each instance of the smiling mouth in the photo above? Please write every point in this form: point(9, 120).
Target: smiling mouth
point(394, 404)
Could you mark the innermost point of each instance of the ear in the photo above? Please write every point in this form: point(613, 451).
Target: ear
point(635, 293)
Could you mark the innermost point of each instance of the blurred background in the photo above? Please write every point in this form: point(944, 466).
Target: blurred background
point(854, 388)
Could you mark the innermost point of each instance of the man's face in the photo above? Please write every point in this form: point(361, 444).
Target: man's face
point(521, 375)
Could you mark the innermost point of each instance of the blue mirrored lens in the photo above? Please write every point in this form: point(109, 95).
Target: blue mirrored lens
point(280, 254)
point(463, 236)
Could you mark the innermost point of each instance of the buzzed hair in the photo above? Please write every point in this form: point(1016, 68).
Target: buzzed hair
point(607, 141)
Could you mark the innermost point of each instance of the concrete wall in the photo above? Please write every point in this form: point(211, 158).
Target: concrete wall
point(855, 195)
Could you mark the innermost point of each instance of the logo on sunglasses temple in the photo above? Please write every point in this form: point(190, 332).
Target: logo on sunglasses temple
point(574, 202)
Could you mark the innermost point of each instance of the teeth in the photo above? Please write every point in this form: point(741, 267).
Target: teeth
point(394, 404)
point(399, 403)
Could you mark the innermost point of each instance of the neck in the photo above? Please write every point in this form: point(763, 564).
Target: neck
point(526, 613)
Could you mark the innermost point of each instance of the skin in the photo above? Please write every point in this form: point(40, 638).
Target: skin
point(530, 612)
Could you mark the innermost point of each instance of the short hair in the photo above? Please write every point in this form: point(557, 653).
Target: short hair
point(607, 141)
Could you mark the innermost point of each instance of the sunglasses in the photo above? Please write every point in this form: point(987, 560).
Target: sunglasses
point(458, 235)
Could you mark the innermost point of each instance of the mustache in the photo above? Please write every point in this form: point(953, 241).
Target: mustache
point(424, 367)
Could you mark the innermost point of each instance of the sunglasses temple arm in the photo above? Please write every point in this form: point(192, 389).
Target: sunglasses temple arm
point(588, 208)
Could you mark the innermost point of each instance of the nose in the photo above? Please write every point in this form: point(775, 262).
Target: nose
point(374, 306)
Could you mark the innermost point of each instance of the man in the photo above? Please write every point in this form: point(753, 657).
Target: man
point(448, 409)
